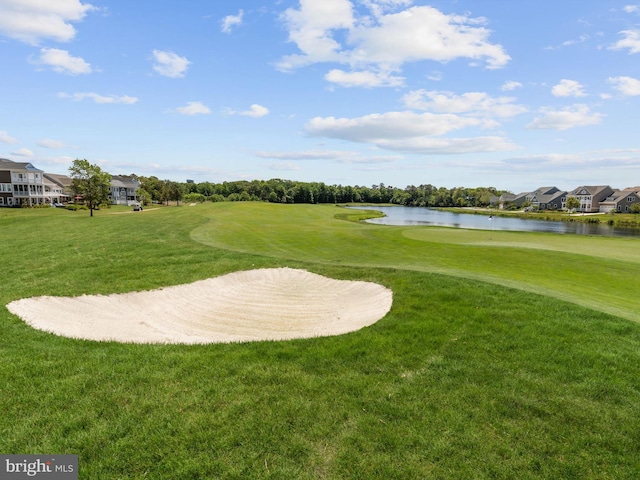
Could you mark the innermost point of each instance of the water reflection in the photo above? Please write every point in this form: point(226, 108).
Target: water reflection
point(427, 216)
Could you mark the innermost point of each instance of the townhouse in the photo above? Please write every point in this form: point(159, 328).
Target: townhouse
point(592, 199)
point(20, 184)
point(23, 184)
point(620, 200)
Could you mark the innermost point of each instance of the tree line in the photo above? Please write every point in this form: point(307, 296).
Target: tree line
point(91, 183)
point(277, 190)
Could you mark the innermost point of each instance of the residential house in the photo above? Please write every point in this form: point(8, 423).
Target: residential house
point(57, 188)
point(20, 184)
point(23, 184)
point(620, 200)
point(508, 199)
point(546, 198)
point(543, 198)
point(123, 190)
point(589, 197)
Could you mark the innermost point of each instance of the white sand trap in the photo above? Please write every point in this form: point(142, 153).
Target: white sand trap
point(264, 304)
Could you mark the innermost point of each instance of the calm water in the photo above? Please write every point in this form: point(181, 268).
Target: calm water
point(428, 216)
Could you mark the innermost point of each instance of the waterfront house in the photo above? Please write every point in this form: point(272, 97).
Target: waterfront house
point(589, 197)
point(546, 198)
point(620, 200)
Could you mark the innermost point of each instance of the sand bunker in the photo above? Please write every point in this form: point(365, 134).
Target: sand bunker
point(264, 304)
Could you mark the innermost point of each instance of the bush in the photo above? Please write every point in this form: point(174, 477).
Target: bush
point(194, 197)
point(75, 207)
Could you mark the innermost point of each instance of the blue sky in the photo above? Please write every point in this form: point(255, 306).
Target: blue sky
point(511, 94)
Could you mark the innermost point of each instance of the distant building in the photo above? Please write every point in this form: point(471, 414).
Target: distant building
point(546, 198)
point(590, 197)
point(57, 187)
point(21, 184)
point(123, 190)
point(620, 200)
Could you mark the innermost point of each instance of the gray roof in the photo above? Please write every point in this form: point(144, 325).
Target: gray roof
point(591, 189)
point(61, 180)
point(618, 195)
point(546, 194)
point(6, 164)
point(126, 182)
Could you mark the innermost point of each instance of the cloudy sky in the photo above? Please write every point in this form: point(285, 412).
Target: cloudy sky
point(511, 94)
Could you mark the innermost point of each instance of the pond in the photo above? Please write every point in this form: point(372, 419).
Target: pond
point(428, 216)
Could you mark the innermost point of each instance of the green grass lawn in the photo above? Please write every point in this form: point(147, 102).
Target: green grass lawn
point(505, 355)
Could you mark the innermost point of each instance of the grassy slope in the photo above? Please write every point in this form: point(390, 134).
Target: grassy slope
point(463, 379)
point(592, 271)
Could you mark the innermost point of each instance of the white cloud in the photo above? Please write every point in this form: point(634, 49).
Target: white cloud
point(305, 155)
point(372, 128)
point(631, 8)
point(363, 79)
point(582, 161)
point(626, 85)
point(424, 33)
point(576, 116)
point(341, 156)
point(510, 86)
point(97, 98)
point(581, 39)
point(330, 31)
point(62, 62)
point(378, 7)
point(231, 21)
point(311, 29)
point(51, 143)
point(255, 111)
point(6, 138)
point(194, 108)
point(568, 88)
point(631, 41)
point(448, 146)
point(31, 21)
point(283, 167)
point(474, 103)
point(408, 132)
point(169, 64)
point(23, 152)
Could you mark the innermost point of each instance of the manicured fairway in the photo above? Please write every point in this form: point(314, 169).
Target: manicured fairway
point(590, 271)
point(478, 371)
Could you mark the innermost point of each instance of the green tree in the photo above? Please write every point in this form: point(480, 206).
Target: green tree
point(635, 208)
point(572, 203)
point(172, 191)
point(90, 183)
point(143, 196)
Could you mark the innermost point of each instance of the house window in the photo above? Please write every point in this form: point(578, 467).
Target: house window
point(631, 199)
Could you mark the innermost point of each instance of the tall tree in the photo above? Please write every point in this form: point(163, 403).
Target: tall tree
point(172, 191)
point(90, 183)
